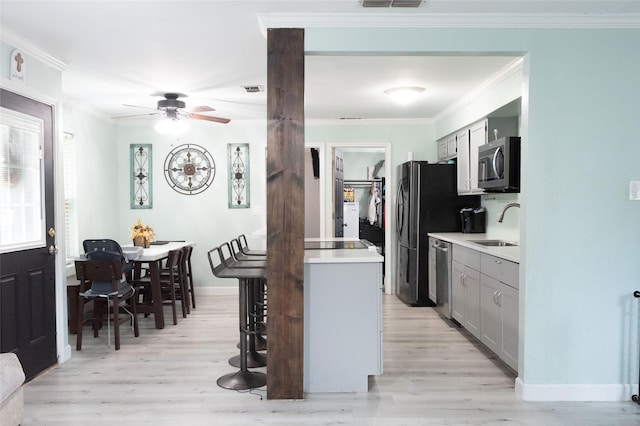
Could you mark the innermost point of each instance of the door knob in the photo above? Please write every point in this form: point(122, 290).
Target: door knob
point(52, 232)
point(53, 249)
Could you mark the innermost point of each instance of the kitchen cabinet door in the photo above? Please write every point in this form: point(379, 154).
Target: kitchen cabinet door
point(457, 292)
point(462, 141)
point(477, 137)
point(442, 149)
point(452, 146)
point(490, 313)
point(471, 283)
point(509, 304)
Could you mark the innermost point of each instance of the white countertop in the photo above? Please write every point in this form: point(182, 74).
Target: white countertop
point(511, 253)
point(366, 255)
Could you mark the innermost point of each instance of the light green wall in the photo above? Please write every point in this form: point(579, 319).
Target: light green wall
point(205, 217)
point(40, 78)
point(581, 236)
point(97, 174)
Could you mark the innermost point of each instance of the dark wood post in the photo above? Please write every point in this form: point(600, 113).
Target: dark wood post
point(285, 213)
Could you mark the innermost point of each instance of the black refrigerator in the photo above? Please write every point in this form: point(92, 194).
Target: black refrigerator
point(427, 201)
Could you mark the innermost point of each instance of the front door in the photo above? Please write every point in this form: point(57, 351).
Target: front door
point(27, 235)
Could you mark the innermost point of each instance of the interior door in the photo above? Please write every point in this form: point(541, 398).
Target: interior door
point(27, 235)
point(338, 196)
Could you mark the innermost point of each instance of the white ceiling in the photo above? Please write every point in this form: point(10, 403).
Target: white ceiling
point(121, 52)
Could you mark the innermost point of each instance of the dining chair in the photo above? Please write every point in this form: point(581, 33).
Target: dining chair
point(107, 287)
point(188, 250)
point(169, 280)
point(98, 249)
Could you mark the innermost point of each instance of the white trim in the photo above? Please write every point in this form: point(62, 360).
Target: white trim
point(574, 392)
point(27, 47)
point(447, 20)
point(26, 91)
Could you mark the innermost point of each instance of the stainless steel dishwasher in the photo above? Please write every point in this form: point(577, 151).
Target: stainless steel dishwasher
point(443, 276)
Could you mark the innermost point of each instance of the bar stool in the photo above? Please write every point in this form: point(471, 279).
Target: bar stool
point(257, 341)
point(260, 292)
point(242, 379)
point(244, 247)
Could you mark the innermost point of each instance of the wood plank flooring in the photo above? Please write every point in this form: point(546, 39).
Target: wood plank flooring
point(434, 375)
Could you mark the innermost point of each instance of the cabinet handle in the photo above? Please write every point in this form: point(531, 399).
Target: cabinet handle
point(499, 299)
point(495, 295)
point(498, 262)
point(462, 279)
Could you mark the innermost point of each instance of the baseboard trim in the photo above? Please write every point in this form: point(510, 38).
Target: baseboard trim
point(575, 392)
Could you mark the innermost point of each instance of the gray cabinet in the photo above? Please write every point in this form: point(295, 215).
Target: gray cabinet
point(462, 139)
point(485, 300)
point(499, 307)
point(447, 147)
point(465, 288)
point(463, 145)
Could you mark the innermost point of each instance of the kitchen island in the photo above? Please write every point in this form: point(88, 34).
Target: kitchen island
point(342, 317)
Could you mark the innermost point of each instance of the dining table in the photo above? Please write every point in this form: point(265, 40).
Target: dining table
point(153, 257)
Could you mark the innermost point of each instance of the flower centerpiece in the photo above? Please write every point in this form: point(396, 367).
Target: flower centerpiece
point(141, 234)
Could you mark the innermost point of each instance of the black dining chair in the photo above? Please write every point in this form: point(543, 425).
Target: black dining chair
point(107, 287)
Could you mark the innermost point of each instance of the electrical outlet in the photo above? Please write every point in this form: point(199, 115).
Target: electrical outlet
point(634, 190)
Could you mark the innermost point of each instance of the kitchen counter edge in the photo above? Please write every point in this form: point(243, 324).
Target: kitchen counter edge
point(511, 253)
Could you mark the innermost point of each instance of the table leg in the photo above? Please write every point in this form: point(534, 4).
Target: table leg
point(156, 293)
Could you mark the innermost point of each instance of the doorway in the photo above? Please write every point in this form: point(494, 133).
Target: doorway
point(366, 152)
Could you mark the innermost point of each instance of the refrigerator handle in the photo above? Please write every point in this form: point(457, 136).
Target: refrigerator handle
point(399, 210)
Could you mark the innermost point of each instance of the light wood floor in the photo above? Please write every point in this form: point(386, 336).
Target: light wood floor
point(434, 375)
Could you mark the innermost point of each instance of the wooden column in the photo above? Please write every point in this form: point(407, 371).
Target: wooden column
point(285, 213)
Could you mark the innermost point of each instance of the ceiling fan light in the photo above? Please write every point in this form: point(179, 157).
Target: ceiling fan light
point(404, 95)
point(171, 126)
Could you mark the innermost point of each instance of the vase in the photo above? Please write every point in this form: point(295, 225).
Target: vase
point(141, 242)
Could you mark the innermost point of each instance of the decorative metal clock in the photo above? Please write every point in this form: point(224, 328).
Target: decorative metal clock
point(189, 169)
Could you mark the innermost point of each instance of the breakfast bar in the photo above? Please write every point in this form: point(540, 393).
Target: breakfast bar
point(342, 315)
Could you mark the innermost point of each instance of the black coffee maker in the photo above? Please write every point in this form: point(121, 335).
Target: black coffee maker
point(473, 219)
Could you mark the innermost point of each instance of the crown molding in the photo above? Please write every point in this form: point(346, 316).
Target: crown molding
point(494, 80)
point(27, 47)
point(447, 20)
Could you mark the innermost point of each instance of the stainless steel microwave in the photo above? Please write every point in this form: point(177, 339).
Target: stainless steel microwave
point(499, 165)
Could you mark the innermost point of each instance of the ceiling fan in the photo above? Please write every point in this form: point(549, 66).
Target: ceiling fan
point(173, 109)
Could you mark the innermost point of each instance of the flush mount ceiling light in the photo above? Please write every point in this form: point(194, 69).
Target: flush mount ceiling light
point(404, 95)
point(171, 124)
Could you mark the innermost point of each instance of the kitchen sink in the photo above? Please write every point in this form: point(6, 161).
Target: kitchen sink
point(494, 243)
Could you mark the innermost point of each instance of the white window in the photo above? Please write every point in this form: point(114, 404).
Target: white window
point(70, 198)
point(21, 182)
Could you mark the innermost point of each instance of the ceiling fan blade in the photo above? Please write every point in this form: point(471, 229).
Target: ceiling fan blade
point(138, 106)
point(201, 108)
point(208, 118)
point(138, 115)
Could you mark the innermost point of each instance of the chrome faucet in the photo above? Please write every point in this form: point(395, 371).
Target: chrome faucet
point(507, 207)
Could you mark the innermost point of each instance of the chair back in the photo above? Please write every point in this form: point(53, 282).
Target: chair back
point(216, 266)
point(105, 275)
point(106, 249)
